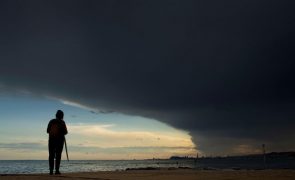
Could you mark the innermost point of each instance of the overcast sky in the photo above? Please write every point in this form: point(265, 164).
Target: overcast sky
point(223, 71)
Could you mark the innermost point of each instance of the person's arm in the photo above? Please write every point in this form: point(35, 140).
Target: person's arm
point(48, 127)
point(65, 129)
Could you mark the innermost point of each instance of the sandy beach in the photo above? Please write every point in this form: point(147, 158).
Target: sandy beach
point(166, 174)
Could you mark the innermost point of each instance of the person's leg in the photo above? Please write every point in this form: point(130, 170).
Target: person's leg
point(59, 149)
point(51, 149)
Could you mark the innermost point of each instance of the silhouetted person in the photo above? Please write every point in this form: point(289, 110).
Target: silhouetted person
point(57, 130)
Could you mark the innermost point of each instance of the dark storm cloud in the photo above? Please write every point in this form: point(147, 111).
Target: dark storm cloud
point(221, 70)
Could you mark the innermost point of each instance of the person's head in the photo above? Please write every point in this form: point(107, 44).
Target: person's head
point(59, 114)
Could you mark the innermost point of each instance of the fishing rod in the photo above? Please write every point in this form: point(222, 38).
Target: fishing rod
point(66, 149)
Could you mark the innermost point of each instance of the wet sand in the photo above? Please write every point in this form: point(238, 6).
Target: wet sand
point(165, 174)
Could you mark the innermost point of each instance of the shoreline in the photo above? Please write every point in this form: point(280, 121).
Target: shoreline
point(183, 174)
point(163, 169)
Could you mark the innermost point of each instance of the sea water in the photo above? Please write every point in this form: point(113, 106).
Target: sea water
point(41, 166)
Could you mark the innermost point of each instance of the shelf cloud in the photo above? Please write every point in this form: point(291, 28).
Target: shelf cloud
point(223, 71)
